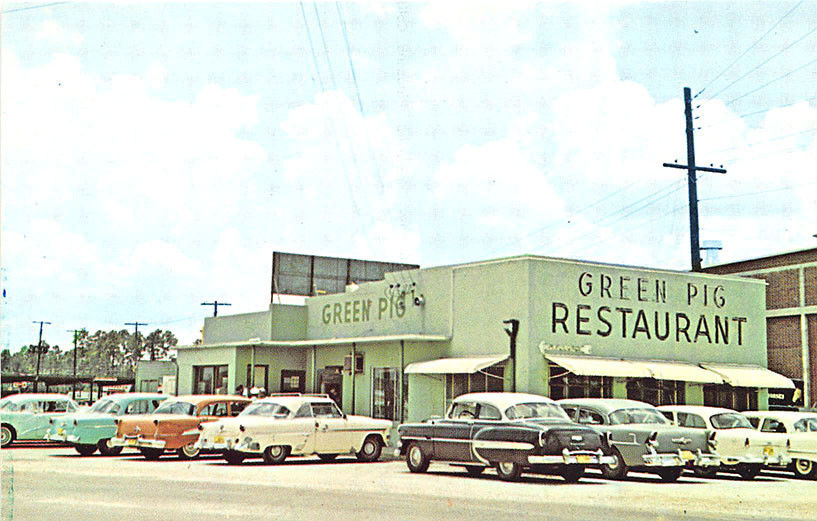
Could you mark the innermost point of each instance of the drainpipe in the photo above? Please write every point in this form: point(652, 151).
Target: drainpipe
point(512, 332)
point(353, 376)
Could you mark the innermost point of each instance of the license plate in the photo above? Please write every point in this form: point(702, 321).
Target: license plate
point(584, 459)
point(687, 455)
point(768, 451)
point(132, 443)
point(60, 431)
point(218, 439)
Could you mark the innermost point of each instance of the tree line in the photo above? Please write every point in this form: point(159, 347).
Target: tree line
point(104, 353)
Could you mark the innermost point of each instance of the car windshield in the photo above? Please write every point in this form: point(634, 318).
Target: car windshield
point(105, 406)
point(636, 415)
point(526, 411)
point(730, 420)
point(271, 410)
point(185, 408)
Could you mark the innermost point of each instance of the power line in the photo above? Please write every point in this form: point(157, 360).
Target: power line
point(756, 112)
point(767, 61)
point(571, 217)
point(312, 47)
point(749, 194)
point(32, 7)
point(749, 49)
point(775, 138)
point(772, 81)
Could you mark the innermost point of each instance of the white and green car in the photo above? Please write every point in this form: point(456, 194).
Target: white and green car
point(27, 416)
point(91, 430)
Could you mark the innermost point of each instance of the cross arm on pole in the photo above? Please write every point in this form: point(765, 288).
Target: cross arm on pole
point(701, 168)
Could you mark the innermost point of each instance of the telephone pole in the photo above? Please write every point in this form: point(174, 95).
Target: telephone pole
point(136, 336)
point(215, 305)
point(74, 383)
point(39, 350)
point(692, 169)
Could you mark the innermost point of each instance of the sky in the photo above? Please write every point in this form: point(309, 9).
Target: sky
point(154, 155)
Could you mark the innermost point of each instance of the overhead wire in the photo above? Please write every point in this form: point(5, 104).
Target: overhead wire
point(762, 192)
point(772, 81)
point(749, 48)
point(372, 156)
point(572, 216)
point(809, 33)
point(330, 120)
point(756, 112)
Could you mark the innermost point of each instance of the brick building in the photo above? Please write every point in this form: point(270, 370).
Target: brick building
point(791, 317)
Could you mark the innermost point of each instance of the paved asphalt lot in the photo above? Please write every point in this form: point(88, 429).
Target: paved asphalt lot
point(43, 482)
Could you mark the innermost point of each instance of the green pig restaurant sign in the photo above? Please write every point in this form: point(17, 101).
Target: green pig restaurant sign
point(629, 307)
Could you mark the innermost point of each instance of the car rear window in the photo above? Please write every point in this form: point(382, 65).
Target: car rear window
point(270, 410)
point(636, 415)
point(535, 410)
point(730, 420)
point(176, 408)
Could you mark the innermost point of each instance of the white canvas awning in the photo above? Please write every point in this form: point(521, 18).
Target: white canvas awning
point(683, 371)
point(750, 376)
point(596, 366)
point(454, 365)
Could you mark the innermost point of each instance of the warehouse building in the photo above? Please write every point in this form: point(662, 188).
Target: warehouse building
point(402, 347)
point(791, 319)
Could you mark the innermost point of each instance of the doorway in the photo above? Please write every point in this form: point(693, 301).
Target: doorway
point(330, 382)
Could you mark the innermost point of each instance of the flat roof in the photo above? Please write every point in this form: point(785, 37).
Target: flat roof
point(409, 337)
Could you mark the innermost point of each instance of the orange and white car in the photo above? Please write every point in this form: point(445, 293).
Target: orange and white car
point(173, 426)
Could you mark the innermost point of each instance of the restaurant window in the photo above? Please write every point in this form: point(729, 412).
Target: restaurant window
point(293, 381)
point(738, 398)
point(489, 379)
point(656, 392)
point(210, 379)
point(384, 392)
point(564, 384)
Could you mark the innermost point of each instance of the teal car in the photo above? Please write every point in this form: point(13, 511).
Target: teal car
point(92, 429)
point(27, 416)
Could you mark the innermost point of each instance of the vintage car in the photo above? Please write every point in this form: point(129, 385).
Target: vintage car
point(641, 439)
point(512, 432)
point(26, 416)
point(743, 450)
point(295, 424)
point(800, 428)
point(173, 425)
point(91, 430)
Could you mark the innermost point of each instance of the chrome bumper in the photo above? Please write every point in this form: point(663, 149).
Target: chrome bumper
point(70, 438)
point(128, 441)
point(663, 459)
point(572, 458)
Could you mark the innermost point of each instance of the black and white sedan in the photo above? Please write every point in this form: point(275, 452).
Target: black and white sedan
point(512, 432)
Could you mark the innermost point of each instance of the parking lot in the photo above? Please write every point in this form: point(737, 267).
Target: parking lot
point(45, 482)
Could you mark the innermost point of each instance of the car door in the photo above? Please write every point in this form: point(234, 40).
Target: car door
point(452, 435)
point(332, 434)
point(622, 437)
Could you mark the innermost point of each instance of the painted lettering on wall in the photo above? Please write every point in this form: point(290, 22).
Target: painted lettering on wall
point(615, 311)
point(363, 310)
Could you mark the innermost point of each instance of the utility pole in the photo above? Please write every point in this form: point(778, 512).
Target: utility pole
point(136, 336)
point(215, 305)
point(39, 350)
point(692, 169)
point(74, 383)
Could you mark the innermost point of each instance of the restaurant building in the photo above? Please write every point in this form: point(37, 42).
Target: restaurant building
point(403, 347)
